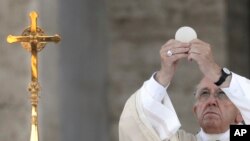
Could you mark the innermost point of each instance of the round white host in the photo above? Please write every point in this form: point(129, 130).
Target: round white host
point(185, 34)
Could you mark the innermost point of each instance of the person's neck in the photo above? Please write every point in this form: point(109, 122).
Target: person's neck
point(214, 137)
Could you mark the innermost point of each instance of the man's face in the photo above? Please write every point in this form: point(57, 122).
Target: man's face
point(213, 109)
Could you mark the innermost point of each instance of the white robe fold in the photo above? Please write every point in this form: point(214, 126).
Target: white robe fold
point(134, 125)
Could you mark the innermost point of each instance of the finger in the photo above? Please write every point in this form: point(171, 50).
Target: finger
point(181, 45)
point(200, 49)
point(174, 51)
point(175, 45)
point(180, 50)
point(199, 42)
point(179, 56)
point(196, 41)
point(174, 56)
point(194, 56)
point(197, 48)
point(170, 42)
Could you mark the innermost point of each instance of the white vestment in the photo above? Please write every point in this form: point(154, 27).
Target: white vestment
point(149, 114)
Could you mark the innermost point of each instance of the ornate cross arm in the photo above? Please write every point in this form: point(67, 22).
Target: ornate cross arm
point(33, 22)
point(14, 39)
point(56, 38)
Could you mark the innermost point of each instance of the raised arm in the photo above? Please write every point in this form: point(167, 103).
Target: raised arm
point(149, 114)
point(235, 86)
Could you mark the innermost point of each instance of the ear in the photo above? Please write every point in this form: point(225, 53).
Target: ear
point(239, 118)
point(195, 110)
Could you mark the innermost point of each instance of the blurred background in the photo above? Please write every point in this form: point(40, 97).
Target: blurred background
point(108, 49)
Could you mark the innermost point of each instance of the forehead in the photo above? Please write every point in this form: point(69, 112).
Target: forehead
point(206, 83)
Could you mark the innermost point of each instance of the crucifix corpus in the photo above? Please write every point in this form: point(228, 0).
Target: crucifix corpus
point(33, 40)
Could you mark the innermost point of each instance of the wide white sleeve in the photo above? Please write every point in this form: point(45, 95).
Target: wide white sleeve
point(162, 117)
point(239, 93)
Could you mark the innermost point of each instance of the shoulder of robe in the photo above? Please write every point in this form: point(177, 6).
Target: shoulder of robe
point(130, 106)
point(132, 125)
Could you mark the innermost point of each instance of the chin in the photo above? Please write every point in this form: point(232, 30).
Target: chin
point(211, 130)
point(211, 126)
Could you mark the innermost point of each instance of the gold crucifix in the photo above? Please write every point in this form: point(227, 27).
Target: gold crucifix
point(33, 40)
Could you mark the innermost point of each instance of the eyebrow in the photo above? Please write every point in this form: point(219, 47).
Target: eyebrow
point(199, 90)
point(220, 90)
point(202, 89)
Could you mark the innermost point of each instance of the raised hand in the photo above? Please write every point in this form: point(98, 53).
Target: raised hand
point(201, 52)
point(170, 53)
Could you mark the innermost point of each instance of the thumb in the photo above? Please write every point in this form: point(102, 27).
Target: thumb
point(190, 59)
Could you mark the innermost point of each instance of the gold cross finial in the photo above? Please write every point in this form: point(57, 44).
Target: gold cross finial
point(33, 40)
point(33, 35)
point(33, 24)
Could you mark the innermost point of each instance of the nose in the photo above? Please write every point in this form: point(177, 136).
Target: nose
point(212, 101)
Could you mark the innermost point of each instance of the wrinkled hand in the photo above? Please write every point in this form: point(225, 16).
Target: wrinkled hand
point(201, 53)
point(168, 63)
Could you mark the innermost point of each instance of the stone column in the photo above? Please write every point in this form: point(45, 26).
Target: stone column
point(238, 35)
point(82, 70)
point(49, 116)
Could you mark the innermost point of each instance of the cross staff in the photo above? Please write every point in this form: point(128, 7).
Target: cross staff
point(33, 40)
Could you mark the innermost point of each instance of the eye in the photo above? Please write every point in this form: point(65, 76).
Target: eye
point(221, 95)
point(204, 94)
